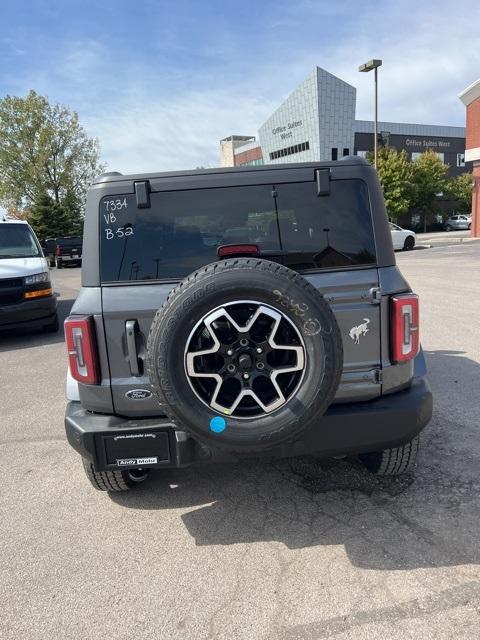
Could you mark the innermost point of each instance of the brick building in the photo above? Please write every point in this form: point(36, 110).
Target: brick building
point(471, 99)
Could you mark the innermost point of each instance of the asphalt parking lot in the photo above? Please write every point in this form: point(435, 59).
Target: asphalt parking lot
point(271, 550)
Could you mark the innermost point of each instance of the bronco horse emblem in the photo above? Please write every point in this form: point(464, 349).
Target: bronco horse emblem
point(360, 330)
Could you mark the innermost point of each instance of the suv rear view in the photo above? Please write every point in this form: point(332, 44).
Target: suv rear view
point(231, 313)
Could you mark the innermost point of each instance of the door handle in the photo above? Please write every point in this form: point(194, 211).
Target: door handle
point(131, 328)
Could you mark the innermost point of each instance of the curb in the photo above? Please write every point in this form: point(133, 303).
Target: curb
point(448, 241)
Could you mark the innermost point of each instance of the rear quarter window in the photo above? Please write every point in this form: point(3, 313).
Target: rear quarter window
point(69, 242)
point(182, 230)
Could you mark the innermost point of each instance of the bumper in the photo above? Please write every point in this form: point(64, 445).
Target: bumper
point(28, 313)
point(70, 259)
point(111, 442)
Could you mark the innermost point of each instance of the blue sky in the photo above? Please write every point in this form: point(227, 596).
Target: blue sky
point(160, 82)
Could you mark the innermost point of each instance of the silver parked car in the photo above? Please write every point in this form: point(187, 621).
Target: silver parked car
point(458, 223)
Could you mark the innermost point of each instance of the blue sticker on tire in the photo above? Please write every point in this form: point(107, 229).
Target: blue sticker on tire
point(217, 424)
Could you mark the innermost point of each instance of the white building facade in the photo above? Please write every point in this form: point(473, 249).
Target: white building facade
point(309, 123)
point(317, 122)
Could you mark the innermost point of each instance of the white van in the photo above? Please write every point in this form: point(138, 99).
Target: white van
point(26, 294)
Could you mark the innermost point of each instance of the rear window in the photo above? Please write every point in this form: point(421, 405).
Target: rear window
point(17, 241)
point(182, 230)
point(68, 242)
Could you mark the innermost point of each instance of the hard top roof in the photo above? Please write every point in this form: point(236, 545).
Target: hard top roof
point(116, 176)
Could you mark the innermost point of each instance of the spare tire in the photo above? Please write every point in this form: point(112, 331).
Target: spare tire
point(245, 353)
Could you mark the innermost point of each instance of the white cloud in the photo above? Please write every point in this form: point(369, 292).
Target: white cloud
point(430, 52)
point(150, 115)
point(145, 132)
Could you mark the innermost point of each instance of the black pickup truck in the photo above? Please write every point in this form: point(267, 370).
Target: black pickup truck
point(66, 250)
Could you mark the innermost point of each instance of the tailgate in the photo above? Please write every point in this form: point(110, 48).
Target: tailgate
point(72, 252)
point(353, 296)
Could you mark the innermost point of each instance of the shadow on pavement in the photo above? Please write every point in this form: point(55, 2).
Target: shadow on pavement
point(389, 523)
point(26, 338)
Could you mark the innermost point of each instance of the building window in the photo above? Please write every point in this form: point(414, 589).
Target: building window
point(252, 163)
point(460, 159)
point(362, 154)
point(334, 153)
point(346, 152)
point(288, 151)
point(416, 155)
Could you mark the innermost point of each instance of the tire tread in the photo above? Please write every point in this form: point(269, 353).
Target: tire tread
point(393, 462)
point(106, 480)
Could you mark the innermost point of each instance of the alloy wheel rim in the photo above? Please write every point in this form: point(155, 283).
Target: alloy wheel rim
point(245, 359)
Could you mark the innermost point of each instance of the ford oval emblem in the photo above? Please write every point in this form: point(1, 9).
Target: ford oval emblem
point(138, 394)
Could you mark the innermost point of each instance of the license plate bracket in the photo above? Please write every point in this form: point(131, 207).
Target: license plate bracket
point(136, 449)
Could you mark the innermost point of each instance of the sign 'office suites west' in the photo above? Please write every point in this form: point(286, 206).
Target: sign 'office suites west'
point(286, 130)
point(427, 144)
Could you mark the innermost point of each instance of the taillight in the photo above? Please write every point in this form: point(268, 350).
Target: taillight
point(58, 251)
point(229, 250)
point(404, 327)
point(82, 349)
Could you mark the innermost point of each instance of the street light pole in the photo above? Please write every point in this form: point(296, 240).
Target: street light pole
point(375, 127)
point(368, 66)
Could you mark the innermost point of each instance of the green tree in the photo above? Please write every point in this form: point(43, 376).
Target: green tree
point(50, 219)
point(428, 180)
point(44, 150)
point(74, 212)
point(460, 189)
point(395, 175)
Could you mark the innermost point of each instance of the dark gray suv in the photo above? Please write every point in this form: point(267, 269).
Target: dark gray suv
point(241, 312)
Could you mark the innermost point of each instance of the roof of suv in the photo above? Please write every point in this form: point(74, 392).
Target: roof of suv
point(116, 176)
